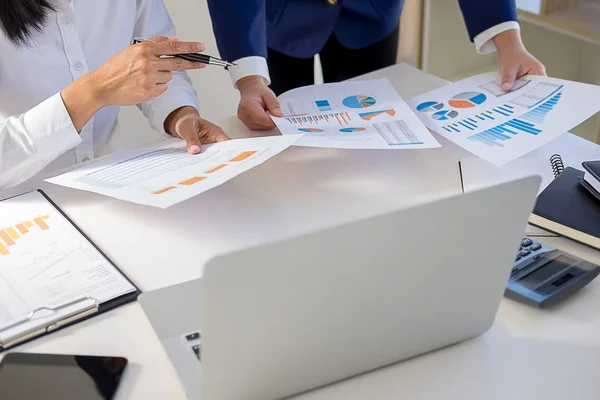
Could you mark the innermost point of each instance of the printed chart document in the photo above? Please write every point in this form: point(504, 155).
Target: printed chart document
point(500, 127)
point(46, 262)
point(166, 175)
point(352, 115)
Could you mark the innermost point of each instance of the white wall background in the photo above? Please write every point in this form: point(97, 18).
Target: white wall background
point(217, 97)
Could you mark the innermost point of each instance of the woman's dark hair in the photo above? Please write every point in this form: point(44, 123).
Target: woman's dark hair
point(20, 19)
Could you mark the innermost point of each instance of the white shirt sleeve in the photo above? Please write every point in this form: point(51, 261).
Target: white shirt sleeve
point(248, 66)
point(31, 141)
point(153, 20)
point(483, 41)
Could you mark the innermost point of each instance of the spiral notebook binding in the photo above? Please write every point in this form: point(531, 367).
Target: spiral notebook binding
point(557, 165)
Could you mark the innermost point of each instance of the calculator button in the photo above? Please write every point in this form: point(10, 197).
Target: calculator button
point(536, 247)
point(518, 258)
point(193, 336)
point(537, 257)
point(526, 242)
point(524, 253)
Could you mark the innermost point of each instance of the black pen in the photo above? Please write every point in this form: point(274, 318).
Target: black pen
point(195, 57)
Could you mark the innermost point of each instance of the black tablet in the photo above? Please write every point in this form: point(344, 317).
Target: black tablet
point(51, 376)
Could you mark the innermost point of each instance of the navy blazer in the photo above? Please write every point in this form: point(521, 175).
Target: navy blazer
point(300, 28)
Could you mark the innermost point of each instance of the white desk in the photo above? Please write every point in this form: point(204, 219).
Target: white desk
point(304, 189)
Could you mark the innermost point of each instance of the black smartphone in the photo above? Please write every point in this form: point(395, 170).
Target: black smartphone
point(66, 377)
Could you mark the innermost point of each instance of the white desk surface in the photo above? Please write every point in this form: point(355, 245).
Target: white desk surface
point(527, 354)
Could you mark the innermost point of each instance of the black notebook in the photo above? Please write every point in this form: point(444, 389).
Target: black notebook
point(566, 208)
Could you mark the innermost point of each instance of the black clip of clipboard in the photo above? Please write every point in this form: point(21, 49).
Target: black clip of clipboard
point(82, 309)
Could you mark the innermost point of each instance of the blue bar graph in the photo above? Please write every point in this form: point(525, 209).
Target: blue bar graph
point(471, 123)
point(526, 124)
point(538, 114)
point(495, 136)
point(323, 105)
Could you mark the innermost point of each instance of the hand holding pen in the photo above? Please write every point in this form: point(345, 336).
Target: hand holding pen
point(193, 57)
point(135, 75)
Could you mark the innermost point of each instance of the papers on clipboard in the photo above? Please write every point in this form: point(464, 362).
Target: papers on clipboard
point(51, 275)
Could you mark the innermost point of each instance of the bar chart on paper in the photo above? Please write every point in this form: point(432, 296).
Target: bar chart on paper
point(528, 123)
point(12, 235)
point(501, 126)
point(166, 175)
point(353, 115)
point(342, 119)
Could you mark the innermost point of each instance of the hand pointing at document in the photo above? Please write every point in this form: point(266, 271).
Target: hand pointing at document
point(515, 60)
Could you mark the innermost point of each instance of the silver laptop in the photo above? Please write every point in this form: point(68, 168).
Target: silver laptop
point(287, 317)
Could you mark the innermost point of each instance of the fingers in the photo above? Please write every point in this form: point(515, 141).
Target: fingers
point(195, 131)
point(254, 116)
point(509, 75)
point(173, 47)
point(210, 133)
point(164, 77)
point(189, 132)
point(272, 103)
point(538, 69)
point(177, 64)
point(159, 39)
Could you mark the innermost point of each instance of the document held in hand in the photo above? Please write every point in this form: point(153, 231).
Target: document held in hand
point(352, 115)
point(499, 126)
point(166, 175)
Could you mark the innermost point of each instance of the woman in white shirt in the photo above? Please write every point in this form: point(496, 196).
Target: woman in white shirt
point(67, 65)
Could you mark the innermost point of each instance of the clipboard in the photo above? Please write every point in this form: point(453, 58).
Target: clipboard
point(74, 311)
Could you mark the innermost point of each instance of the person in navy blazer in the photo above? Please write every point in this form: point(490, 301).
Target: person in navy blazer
point(352, 37)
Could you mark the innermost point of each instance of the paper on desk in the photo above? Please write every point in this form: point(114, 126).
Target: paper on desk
point(500, 127)
point(46, 262)
point(166, 175)
point(352, 115)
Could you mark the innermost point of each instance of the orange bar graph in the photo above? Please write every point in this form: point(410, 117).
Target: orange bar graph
point(243, 156)
point(338, 119)
point(348, 116)
point(22, 229)
point(7, 239)
point(165, 190)
point(13, 234)
point(193, 180)
point(28, 224)
point(40, 222)
point(3, 250)
point(216, 168)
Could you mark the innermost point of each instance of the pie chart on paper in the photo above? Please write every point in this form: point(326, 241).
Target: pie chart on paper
point(467, 100)
point(359, 101)
point(429, 106)
point(310, 130)
point(349, 130)
point(444, 115)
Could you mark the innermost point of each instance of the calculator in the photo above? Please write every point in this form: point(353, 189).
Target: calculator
point(543, 276)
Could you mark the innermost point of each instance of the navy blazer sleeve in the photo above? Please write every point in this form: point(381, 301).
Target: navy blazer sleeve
point(240, 27)
point(481, 15)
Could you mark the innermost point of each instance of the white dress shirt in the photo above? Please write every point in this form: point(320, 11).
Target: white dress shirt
point(256, 65)
point(36, 132)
